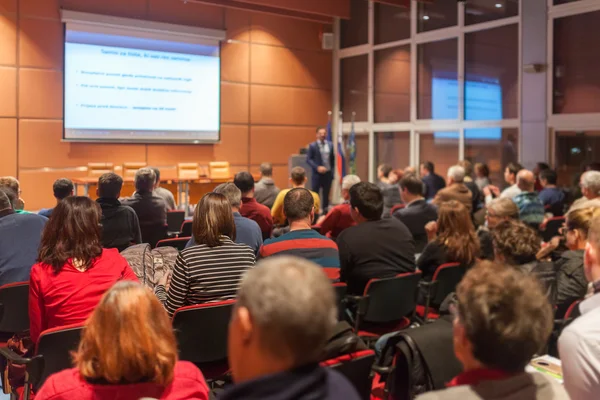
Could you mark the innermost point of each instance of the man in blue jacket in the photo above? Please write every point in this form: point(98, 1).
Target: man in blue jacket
point(321, 158)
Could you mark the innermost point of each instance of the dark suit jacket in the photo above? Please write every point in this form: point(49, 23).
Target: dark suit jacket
point(314, 159)
point(433, 184)
point(415, 216)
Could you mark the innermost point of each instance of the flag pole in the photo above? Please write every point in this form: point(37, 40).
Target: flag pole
point(336, 187)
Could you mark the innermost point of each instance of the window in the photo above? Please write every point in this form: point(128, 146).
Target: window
point(391, 23)
point(392, 84)
point(574, 150)
point(495, 147)
point(492, 74)
point(436, 15)
point(437, 86)
point(355, 31)
point(477, 11)
point(441, 148)
point(576, 79)
point(362, 157)
point(393, 148)
point(354, 79)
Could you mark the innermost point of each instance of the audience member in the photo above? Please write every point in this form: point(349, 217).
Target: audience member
point(339, 217)
point(250, 207)
point(302, 241)
point(433, 182)
point(410, 170)
point(150, 209)
point(13, 184)
point(455, 189)
point(500, 209)
point(510, 177)
point(389, 190)
point(120, 224)
point(213, 268)
point(537, 170)
point(451, 239)
point(61, 188)
point(552, 197)
point(73, 271)
point(476, 196)
point(531, 208)
point(21, 236)
point(590, 188)
point(163, 193)
point(417, 212)
point(265, 190)
point(246, 231)
point(298, 180)
point(375, 247)
point(482, 175)
point(502, 321)
point(284, 315)
point(570, 274)
point(515, 243)
point(579, 343)
point(127, 351)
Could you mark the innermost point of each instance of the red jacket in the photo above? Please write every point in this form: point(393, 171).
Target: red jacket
point(70, 296)
point(260, 214)
point(188, 384)
point(338, 219)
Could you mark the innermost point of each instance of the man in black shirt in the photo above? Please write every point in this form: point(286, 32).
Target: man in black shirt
point(120, 225)
point(376, 247)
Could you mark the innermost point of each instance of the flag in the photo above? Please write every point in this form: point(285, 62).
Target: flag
point(341, 159)
point(329, 132)
point(352, 149)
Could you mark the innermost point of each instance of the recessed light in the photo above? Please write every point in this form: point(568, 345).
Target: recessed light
point(498, 5)
point(426, 17)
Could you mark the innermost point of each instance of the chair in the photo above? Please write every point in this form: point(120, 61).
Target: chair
point(332, 273)
point(175, 219)
point(52, 355)
point(179, 243)
point(356, 367)
point(188, 171)
point(397, 207)
point(14, 308)
point(385, 304)
point(201, 331)
point(152, 234)
point(186, 228)
point(340, 295)
point(97, 169)
point(219, 170)
point(130, 168)
point(559, 326)
point(445, 279)
point(553, 225)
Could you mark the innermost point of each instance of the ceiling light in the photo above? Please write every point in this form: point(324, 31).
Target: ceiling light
point(426, 17)
point(498, 5)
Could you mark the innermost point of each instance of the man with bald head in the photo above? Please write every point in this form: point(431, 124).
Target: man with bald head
point(531, 208)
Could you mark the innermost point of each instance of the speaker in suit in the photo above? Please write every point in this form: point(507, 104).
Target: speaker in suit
point(415, 216)
point(321, 159)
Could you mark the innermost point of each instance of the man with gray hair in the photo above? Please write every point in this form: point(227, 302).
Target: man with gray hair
point(531, 208)
point(150, 209)
point(590, 187)
point(455, 189)
point(247, 231)
point(284, 315)
point(265, 191)
point(339, 217)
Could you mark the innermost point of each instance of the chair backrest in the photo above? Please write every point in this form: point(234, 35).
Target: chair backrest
point(55, 346)
point(178, 243)
point(356, 367)
point(14, 307)
point(391, 299)
point(152, 234)
point(186, 228)
point(340, 293)
point(130, 168)
point(447, 277)
point(188, 171)
point(97, 169)
point(219, 170)
point(201, 331)
point(397, 207)
point(175, 219)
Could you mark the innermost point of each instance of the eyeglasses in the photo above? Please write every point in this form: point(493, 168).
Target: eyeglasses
point(563, 230)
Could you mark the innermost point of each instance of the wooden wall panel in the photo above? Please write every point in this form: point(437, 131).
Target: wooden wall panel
point(237, 23)
point(41, 43)
point(171, 154)
point(8, 33)
point(8, 89)
point(234, 145)
point(120, 8)
point(340, 8)
point(274, 105)
point(36, 186)
point(41, 8)
point(178, 12)
point(286, 32)
point(235, 58)
point(289, 141)
point(8, 150)
point(9, 6)
point(40, 94)
point(234, 103)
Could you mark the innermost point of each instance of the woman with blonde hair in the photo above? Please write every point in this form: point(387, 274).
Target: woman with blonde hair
point(127, 351)
point(499, 210)
point(451, 239)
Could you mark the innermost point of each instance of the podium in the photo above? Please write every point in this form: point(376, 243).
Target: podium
point(299, 160)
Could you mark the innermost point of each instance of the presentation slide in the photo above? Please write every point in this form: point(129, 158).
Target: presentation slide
point(138, 92)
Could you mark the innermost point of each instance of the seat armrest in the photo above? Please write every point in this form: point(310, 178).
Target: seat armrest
point(382, 370)
point(14, 357)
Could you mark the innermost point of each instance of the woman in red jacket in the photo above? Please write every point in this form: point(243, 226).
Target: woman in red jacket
point(127, 351)
point(73, 270)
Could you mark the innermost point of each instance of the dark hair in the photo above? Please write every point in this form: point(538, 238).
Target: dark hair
point(456, 233)
point(213, 218)
point(297, 204)
point(385, 169)
point(244, 181)
point(428, 165)
point(412, 184)
point(516, 242)
point(319, 128)
point(157, 173)
point(109, 185)
point(72, 232)
point(514, 168)
point(13, 197)
point(593, 166)
point(298, 175)
point(483, 168)
point(266, 169)
point(505, 315)
point(145, 179)
point(367, 198)
point(542, 166)
point(549, 175)
point(62, 188)
point(5, 200)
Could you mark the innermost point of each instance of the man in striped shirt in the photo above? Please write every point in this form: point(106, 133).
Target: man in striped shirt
point(302, 240)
